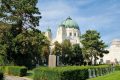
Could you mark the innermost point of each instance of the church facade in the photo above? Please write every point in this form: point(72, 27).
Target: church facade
point(68, 29)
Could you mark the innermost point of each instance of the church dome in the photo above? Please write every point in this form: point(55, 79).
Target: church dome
point(69, 23)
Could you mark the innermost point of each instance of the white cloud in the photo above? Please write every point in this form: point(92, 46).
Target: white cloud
point(105, 18)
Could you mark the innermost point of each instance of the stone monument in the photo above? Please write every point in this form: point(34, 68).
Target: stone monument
point(53, 59)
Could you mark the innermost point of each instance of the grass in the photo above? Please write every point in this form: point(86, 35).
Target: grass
point(112, 76)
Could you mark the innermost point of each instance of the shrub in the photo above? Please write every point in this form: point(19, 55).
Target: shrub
point(1, 75)
point(16, 70)
point(117, 67)
point(68, 73)
point(2, 69)
point(61, 73)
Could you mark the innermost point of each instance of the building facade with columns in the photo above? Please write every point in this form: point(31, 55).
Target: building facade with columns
point(68, 29)
point(114, 52)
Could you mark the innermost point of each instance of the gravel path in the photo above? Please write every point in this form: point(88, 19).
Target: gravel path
point(16, 78)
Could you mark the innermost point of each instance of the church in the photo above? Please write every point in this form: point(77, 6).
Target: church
point(68, 29)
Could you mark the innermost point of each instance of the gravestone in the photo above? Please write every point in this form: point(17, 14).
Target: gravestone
point(94, 73)
point(97, 72)
point(90, 73)
point(52, 61)
point(57, 62)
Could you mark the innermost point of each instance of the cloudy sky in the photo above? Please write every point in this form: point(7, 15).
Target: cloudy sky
point(101, 15)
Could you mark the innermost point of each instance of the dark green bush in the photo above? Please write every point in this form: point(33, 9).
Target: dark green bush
point(16, 70)
point(117, 67)
point(1, 75)
point(2, 69)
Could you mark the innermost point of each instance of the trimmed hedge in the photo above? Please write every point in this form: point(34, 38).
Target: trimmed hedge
point(14, 70)
point(67, 73)
point(2, 69)
point(1, 76)
point(117, 67)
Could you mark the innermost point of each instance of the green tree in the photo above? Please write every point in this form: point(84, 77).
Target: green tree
point(28, 46)
point(57, 48)
point(77, 56)
point(23, 13)
point(93, 46)
point(66, 52)
point(18, 44)
point(45, 52)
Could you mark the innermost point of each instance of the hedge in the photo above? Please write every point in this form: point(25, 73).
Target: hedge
point(68, 73)
point(14, 70)
point(117, 67)
point(1, 75)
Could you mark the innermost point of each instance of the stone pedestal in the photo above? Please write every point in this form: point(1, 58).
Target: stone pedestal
point(52, 61)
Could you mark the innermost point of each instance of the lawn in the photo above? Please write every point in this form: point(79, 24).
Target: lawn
point(112, 76)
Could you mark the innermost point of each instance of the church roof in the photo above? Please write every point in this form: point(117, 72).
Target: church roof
point(69, 23)
point(48, 29)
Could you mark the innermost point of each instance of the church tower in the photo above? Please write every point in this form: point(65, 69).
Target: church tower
point(48, 34)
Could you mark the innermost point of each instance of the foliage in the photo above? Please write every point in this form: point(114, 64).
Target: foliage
point(16, 70)
point(20, 43)
point(57, 49)
point(93, 46)
point(23, 49)
point(77, 56)
point(28, 46)
point(1, 75)
point(117, 67)
point(64, 73)
point(66, 52)
point(69, 54)
point(20, 12)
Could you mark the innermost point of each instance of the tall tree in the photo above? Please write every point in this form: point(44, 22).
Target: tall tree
point(77, 56)
point(18, 43)
point(66, 52)
point(24, 13)
point(93, 46)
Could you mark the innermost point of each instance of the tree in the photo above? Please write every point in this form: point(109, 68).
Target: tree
point(28, 47)
point(66, 52)
point(93, 46)
point(20, 45)
point(77, 56)
point(23, 13)
point(24, 49)
point(57, 48)
point(45, 52)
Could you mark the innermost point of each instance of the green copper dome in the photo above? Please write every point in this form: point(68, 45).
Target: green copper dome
point(69, 23)
point(48, 29)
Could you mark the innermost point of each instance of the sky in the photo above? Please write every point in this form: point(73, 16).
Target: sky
point(100, 15)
